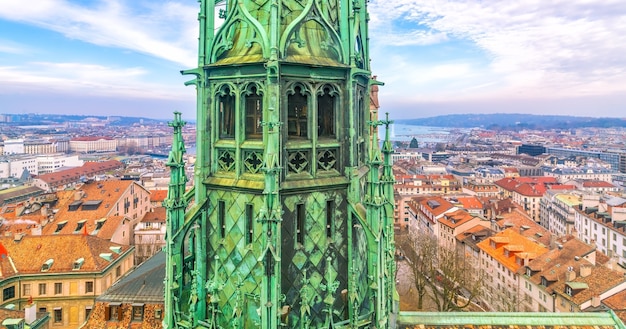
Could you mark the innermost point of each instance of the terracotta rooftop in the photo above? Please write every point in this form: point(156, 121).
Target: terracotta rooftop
point(436, 205)
point(599, 281)
point(157, 215)
point(455, 218)
point(93, 201)
point(553, 264)
point(521, 223)
point(158, 195)
point(521, 244)
point(29, 254)
point(617, 303)
point(597, 183)
point(470, 202)
point(75, 174)
point(530, 186)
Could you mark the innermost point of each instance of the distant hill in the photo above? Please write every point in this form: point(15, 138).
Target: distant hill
point(515, 121)
point(43, 119)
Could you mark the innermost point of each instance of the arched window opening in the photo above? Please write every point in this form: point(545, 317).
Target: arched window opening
point(326, 114)
point(226, 108)
point(297, 114)
point(254, 114)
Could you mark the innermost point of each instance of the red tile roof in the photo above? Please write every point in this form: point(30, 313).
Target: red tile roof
point(158, 195)
point(29, 254)
point(75, 174)
point(455, 218)
point(597, 183)
point(471, 202)
point(506, 239)
point(157, 215)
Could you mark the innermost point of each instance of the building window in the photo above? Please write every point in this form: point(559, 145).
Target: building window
point(221, 214)
point(114, 313)
point(58, 288)
point(226, 108)
point(87, 312)
point(157, 313)
point(8, 293)
point(249, 223)
point(297, 113)
point(26, 289)
point(568, 290)
point(326, 113)
point(118, 271)
point(88, 286)
point(137, 312)
point(330, 211)
point(58, 315)
point(254, 113)
point(299, 223)
point(42, 289)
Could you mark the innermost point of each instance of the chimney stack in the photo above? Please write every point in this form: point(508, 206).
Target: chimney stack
point(30, 313)
point(585, 271)
point(570, 275)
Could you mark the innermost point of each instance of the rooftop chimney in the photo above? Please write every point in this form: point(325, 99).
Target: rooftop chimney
point(570, 275)
point(30, 313)
point(585, 271)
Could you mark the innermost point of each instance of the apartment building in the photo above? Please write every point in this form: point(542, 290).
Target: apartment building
point(540, 275)
point(603, 222)
point(527, 191)
point(501, 256)
point(454, 223)
point(62, 274)
point(135, 301)
point(149, 234)
point(425, 212)
point(557, 211)
point(108, 209)
point(91, 144)
point(70, 178)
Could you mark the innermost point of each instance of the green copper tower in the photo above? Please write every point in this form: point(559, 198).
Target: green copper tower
point(290, 221)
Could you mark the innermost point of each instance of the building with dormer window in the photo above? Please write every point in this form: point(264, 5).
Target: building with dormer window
point(61, 274)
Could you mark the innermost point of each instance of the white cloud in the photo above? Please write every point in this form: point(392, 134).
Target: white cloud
point(86, 79)
point(11, 47)
point(165, 30)
point(542, 49)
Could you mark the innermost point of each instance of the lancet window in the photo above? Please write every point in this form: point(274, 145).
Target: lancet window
point(297, 113)
point(254, 113)
point(226, 109)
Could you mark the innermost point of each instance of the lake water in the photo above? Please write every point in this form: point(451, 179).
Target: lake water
point(427, 134)
point(402, 132)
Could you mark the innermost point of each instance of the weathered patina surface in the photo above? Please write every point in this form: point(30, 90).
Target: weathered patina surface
point(290, 220)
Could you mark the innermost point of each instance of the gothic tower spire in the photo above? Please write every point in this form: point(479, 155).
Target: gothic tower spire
point(287, 225)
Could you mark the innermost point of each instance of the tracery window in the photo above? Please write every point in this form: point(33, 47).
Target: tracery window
point(226, 110)
point(326, 113)
point(297, 113)
point(254, 113)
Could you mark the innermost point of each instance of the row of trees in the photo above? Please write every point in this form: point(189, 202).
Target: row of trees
point(439, 273)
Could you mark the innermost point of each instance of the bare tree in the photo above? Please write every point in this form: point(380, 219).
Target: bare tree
point(440, 273)
point(419, 251)
point(456, 283)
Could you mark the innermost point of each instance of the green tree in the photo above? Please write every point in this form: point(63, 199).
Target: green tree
point(414, 144)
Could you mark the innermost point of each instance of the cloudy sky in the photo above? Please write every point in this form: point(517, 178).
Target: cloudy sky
point(123, 57)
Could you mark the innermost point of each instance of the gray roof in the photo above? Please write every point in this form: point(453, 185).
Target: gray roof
point(615, 201)
point(143, 285)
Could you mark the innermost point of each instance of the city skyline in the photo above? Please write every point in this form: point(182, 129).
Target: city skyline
point(435, 57)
